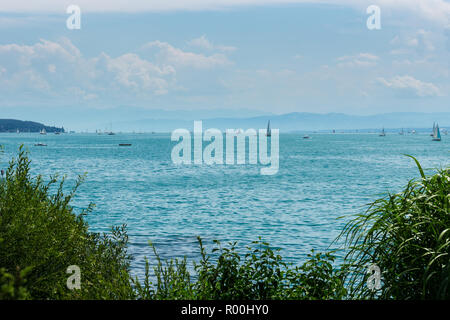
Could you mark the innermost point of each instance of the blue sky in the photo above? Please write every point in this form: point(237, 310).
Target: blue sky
point(234, 58)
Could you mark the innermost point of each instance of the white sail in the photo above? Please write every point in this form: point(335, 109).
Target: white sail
point(436, 133)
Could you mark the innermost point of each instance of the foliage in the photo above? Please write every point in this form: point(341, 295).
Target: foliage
point(12, 286)
point(259, 274)
point(41, 234)
point(408, 236)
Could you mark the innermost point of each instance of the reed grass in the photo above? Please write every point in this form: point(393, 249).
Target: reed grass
point(408, 236)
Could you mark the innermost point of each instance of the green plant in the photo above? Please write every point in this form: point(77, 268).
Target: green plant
point(41, 234)
point(408, 236)
point(12, 286)
point(259, 274)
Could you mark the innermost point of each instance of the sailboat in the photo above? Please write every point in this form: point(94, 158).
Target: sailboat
point(17, 131)
point(436, 133)
point(43, 131)
point(401, 132)
point(268, 132)
point(434, 129)
point(111, 133)
point(383, 133)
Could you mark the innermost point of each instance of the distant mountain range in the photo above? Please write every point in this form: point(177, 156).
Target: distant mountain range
point(292, 122)
point(12, 125)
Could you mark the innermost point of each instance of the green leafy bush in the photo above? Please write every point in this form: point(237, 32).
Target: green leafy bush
point(12, 286)
point(259, 274)
point(40, 233)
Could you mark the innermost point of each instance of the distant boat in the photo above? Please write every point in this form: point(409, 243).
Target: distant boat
point(306, 137)
point(40, 145)
point(43, 131)
point(111, 133)
point(436, 133)
point(383, 133)
point(401, 132)
point(434, 130)
point(269, 131)
point(17, 131)
point(413, 132)
point(124, 144)
point(57, 132)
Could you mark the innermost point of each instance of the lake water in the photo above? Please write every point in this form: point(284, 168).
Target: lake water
point(319, 180)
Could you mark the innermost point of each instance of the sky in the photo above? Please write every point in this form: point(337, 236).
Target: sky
point(150, 59)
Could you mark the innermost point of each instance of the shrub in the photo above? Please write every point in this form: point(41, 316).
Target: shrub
point(259, 274)
point(40, 233)
point(12, 286)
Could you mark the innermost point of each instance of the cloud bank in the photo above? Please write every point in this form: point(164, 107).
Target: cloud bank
point(55, 68)
point(433, 10)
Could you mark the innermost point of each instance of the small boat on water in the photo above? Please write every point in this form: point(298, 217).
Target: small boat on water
point(43, 131)
point(436, 133)
point(40, 144)
point(306, 137)
point(434, 129)
point(124, 144)
point(383, 133)
point(268, 131)
point(401, 132)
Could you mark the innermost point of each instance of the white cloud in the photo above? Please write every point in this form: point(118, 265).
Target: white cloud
point(433, 10)
point(58, 67)
point(51, 68)
point(171, 55)
point(359, 60)
point(420, 88)
point(133, 72)
point(203, 43)
point(30, 65)
point(419, 41)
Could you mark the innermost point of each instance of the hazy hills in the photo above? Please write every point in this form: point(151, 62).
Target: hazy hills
point(298, 122)
point(166, 122)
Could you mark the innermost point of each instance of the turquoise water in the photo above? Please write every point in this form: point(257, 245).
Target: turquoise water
point(296, 210)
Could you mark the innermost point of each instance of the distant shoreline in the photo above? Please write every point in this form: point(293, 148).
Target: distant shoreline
point(13, 125)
